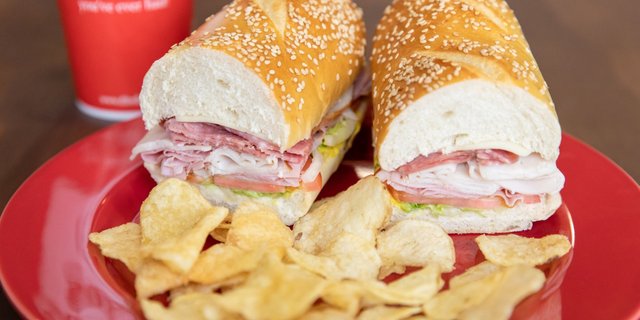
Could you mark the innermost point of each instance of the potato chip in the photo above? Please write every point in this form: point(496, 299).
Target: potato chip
point(510, 250)
point(413, 289)
point(348, 257)
point(448, 304)
point(388, 313)
point(254, 226)
point(344, 295)
point(181, 253)
point(385, 271)
point(423, 283)
point(474, 273)
point(154, 277)
point(223, 261)
point(415, 243)
point(176, 220)
point(490, 297)
point(355, 257)
point(274, 291)
point(517, 283)
point(121, 243)
point(338, 256)
point(324, 312)
point(318, 203)
point(360, 210)
point(208, 288)
point(189, 306)
point(417, 317)
point(220, 232)
point(323, 266)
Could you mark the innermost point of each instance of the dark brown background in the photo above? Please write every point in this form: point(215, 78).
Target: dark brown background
point(588, 50)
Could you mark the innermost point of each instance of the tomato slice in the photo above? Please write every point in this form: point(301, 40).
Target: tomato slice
point(314, 185)
point(233, 182)
point(530, 198)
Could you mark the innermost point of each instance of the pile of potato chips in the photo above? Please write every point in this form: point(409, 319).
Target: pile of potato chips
point(329, 266)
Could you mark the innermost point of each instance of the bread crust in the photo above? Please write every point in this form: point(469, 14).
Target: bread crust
point(306, 52)
point(423, 45)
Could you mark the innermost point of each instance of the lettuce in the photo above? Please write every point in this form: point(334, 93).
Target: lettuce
point(337, 127)
point(250, 193)
point(340, 132)
point(436, 210)
point(330, 152)
point(256, 194)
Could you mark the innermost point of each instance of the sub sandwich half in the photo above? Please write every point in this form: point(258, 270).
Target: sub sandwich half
point(259, 104)
point(465, 131)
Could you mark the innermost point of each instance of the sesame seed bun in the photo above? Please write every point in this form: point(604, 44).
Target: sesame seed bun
point(457, 75)
point(268, 68)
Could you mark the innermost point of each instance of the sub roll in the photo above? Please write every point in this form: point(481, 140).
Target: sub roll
point(465, 131)
point(259, 104)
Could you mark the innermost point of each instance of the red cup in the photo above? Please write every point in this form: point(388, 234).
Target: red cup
point(111, 45)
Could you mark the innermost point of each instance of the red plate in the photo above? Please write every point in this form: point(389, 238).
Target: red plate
point(49, 270)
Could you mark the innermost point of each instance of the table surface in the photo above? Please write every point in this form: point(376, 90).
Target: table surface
point(588, 51)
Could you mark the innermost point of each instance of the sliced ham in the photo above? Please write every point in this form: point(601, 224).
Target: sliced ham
point(203, 152)
point(228, 162)
point(484, 157)
point(511, 199)
point(198, 150)
point(435, 159)
point(224, 152)
point(216, 136)
point(157, 139)
point(495, 157)
point(474, 179)
point(180, 163)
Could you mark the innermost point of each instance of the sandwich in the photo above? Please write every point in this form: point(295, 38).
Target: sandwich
point(465, 131)
point(260, 103)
